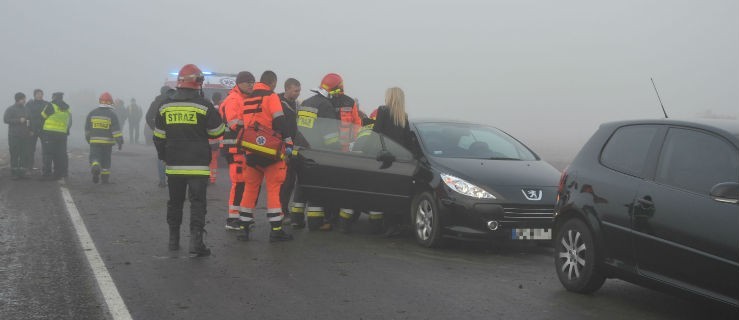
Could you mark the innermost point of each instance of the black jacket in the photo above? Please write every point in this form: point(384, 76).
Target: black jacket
point(384, 125)
point(151, 114)
point(289, 108)
point(16, 127)
point(34, 109)
point(182, 128)
point(102, 127)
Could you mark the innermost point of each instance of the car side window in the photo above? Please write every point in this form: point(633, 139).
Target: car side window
point(696, 161)
point(627, 149)
point(398, 150)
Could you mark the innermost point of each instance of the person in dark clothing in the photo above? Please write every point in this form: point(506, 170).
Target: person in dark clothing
point(289, 108)
point(121, 112)
point(182, 128)
point(392, 122)
point(102, 131)
point(19, 136)
point(33, 110)
point(54, 135)
point(151, 115)
point(134, 120)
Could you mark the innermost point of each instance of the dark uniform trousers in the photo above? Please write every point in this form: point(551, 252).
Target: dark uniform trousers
point(287, 187)
point(100, 153)
point(19, 152)
point(195, 188)
point(55, 155)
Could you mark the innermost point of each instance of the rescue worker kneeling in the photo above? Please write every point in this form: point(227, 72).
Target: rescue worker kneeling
point(102, 131)
point(265, 145)
point(182, 128)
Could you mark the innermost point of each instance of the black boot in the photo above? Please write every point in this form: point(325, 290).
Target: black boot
point(197, 247)
point(298, 220)
point(174, 238)
point(279, 235)
point(245, 229)
point(95, 173)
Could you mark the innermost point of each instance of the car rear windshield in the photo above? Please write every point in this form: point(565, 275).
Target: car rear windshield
point(456, 140)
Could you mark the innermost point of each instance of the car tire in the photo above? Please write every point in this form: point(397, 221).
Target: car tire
point(426, 220)
point(574, 257)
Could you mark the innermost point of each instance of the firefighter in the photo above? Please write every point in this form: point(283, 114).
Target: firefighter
point(19, 136)
point(328, 102)
point(289, 100)
point(263, 138)
point(102, 131)
point(231, 110)
point(214, 143)
point(182, 128)
point(54, 133)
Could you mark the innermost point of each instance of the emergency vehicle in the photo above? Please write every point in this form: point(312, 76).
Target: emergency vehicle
point(214, 82)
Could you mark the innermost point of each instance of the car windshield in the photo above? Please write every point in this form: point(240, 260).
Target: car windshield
point(456, 140)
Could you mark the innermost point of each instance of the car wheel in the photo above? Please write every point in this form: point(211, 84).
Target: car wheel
point(426, 220)
point(574, 250)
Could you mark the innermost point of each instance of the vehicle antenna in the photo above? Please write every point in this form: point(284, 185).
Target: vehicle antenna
point(658, 98)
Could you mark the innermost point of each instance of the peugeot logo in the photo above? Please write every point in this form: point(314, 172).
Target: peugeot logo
point(261, 140)
point(532, 194)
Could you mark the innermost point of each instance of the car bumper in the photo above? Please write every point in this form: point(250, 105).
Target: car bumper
point(467, 218)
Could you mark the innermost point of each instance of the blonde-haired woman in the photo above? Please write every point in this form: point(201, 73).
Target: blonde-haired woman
point(392, 121)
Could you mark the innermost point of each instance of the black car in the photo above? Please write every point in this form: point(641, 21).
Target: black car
point(458, 180)
point(653, 202)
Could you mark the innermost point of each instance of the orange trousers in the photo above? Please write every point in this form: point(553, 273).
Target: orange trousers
point(274, 175)
point(237, 174)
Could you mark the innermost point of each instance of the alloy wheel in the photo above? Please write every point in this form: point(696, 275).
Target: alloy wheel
point(572, 252)
point(424, 219)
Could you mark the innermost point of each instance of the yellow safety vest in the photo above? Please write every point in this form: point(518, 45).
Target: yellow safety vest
point(58, 121)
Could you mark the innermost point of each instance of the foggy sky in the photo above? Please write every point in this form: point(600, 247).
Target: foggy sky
point(546, 71)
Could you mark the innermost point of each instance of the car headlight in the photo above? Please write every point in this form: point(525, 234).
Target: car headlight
point(465, 187)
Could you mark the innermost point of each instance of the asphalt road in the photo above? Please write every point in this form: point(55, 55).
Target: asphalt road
point(44, 274)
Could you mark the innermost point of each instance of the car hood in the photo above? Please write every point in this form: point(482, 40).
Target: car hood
point(499, 172)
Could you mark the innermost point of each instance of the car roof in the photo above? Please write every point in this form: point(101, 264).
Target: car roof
point(729, 128)
point(442, 120)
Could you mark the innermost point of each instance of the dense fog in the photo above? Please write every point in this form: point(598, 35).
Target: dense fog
point(548, 72)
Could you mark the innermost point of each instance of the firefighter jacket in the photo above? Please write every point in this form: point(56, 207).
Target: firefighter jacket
point(102, 127)
point(318, 107)
point(232, 110)
point(57, 119)
point(182, 128)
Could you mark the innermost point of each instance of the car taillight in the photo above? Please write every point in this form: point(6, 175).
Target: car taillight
point(562, 180)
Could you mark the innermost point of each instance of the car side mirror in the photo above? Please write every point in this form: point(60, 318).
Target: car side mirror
point(727, 192)
point(386, 158)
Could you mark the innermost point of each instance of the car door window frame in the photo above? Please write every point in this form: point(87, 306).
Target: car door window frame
point(653, 175)
point(653, 151)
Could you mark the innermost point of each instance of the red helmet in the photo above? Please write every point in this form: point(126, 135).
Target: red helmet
point(191, 77)
point(333, 84)
point(106, 98)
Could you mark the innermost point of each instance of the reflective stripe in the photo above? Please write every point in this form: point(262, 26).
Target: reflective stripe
point(315, 214)
point(308, 109)
point(102, 138)
point(246, 210)
point(97, 141)
point(228, 141)
point(232, 207)
point(235, 122)
point(189, 170)
point(159, 133)
point(375, 215)
point(315, 208)
point(95, 163)
point(346, 109)
point(183, 106)
point(233, 215)
point(274, 210)
point(117, 134)
point(246, 219)
point(216, 131)
point(105, 171)
point(259, 148)
point(345, 215)
point(331, 138)
point(277, 114)
point(276, 219)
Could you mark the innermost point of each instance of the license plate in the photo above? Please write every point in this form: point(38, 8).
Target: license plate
point(531, 234)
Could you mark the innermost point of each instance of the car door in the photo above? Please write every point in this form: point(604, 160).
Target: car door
point(682, 236)
point(607, 193)
point(355, 179)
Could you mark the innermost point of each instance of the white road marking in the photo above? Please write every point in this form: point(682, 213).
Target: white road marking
point(113, 300)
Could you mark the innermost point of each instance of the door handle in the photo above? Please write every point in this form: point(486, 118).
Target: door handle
point(309, 163)
point(646, 201)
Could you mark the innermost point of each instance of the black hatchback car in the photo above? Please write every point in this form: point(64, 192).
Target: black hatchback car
point(458, 180)
point(653, 202)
